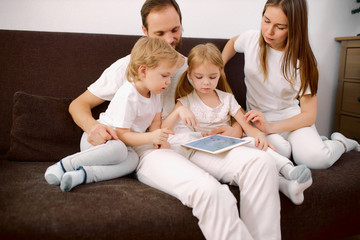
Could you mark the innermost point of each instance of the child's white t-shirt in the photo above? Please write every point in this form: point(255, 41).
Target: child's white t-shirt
point(114, 76)
point(208, 119)
point(211, 118)
point(275, 96)
point(129, 109)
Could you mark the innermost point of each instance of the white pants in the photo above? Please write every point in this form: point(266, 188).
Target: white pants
point(307, 147)
point(103, 162)
point(195, 183)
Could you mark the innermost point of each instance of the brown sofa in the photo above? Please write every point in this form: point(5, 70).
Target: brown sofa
point(40, 73)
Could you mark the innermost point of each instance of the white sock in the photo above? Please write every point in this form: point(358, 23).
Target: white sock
point(294, 190)
point(71, 179)
point(324, 138)
point(295, 181)
point(349, 144)
point(286, 170)
point(54, 174)
point(300, 173)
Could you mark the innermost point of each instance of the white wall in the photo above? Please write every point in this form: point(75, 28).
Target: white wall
point(201, 18)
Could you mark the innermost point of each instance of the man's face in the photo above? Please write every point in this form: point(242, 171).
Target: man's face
point(164, 24)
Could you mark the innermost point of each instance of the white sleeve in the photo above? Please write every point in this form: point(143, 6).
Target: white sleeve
point(122, 110)
point(244, 39)
point(234, 105)
point(111, 80)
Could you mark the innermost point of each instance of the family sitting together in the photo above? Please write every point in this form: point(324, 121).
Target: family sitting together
point(161, 99)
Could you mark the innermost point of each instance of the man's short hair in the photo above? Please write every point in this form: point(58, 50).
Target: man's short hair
point(150, 5)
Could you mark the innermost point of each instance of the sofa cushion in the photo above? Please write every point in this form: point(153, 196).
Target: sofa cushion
point(42, 129)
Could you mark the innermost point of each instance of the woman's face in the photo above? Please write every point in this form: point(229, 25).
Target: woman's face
point(274, 27)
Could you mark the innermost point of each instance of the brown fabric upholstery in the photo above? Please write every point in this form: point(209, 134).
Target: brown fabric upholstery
point(42, 129)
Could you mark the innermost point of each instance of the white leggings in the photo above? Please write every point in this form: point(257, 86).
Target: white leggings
point(307, 147)
point(103, 162)
point(195, 183)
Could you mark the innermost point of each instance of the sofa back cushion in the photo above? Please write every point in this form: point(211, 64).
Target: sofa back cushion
point(53, 68)
point(42, 128)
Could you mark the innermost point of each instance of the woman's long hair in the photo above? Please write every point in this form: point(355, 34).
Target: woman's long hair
point(297, 47)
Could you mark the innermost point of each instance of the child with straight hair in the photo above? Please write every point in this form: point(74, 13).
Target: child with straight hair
point(135, 108)
point(204, 103)
point(281, 77)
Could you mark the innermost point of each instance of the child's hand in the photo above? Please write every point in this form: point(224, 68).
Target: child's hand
point(165, 145)
point(188, 117)
point(259, 120)
point(160, 136)
point(226, 130)
point(262, 143)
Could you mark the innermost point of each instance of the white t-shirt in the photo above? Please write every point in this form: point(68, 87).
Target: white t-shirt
point(115, 75)
point(207, 117)
point(211, 118)
point(129, 109)
point(274, 96)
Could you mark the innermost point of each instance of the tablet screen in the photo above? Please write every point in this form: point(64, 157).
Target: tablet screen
point(216, 143)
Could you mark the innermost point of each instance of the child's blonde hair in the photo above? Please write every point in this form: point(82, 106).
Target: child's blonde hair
point(198, 55)
point(150, 52)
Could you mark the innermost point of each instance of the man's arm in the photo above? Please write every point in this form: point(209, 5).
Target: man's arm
point(80, 110)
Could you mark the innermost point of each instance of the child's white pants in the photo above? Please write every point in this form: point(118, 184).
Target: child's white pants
point(195, 183)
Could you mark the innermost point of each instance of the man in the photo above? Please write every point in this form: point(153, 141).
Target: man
point(165, 25)
point(212, 202)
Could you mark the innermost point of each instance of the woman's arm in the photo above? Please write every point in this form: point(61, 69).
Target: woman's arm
point(305, 118)
point(80, 110)
point(251, 131)
point(228, 52)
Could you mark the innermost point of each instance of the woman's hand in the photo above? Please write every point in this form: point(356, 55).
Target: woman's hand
point(259, 120)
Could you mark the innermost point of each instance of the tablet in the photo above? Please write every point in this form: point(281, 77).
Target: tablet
point(215, 144)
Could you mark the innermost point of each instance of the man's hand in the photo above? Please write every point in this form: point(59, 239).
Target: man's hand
point(100, 134)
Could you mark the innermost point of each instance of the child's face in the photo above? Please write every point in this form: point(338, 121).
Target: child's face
point(157, 79)
point(274, 27)
point(205, 77)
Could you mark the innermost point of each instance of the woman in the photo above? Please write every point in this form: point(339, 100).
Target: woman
point(281, 76)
